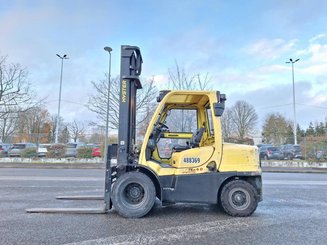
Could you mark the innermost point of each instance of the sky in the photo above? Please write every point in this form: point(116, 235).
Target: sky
point(242, 45)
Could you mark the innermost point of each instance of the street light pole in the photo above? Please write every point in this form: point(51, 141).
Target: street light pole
point(108, 49)
point(58, 117)
point(294, 111)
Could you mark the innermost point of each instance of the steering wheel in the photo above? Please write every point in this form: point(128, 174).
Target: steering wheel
point(158, 129)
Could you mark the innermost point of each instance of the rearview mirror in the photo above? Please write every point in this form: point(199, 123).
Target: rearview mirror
point(219, 109)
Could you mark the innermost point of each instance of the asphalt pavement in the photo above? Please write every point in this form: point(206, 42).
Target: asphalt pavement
point(294, 211)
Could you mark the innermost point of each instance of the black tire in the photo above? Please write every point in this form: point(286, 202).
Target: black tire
point(133, 195)
point(238, 198)
point(289, 156)
point(265, 157)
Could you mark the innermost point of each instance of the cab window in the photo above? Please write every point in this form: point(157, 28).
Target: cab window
point(182, 120)
point(210, 121)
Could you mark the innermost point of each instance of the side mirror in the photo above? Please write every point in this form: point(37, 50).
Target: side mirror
point(219, 109)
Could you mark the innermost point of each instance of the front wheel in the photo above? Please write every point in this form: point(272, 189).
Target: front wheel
point(238, 198)
point(133, 195)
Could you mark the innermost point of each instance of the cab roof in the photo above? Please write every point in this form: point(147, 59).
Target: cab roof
point(188, 97)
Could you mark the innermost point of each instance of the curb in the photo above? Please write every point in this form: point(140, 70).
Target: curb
point(54, 165)
point(102, 166)
point(293, 170)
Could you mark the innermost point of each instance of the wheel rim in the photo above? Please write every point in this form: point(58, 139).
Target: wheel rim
point(239, 198)
point(133, 193)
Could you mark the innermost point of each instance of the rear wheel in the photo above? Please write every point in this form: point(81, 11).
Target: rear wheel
point(289, 156)
point(238, 198)
point(133, 195)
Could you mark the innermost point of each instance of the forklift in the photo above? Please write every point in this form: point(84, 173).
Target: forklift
point(183, 158)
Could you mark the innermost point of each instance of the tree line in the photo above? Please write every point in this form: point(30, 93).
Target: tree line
point(25, 118)
point(277, 130)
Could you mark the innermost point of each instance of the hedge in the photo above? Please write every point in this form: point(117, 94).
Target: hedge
point(29, 152)
point(56, 151)
point(84, 152)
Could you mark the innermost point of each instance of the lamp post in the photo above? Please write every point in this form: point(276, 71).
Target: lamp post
point(295, 124)
point(58, 118)
point(108, 49)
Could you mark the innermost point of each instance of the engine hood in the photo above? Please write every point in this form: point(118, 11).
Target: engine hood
point(237, 157)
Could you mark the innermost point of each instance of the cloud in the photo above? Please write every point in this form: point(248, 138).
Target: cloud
point(319, 99)
point(32, 34)
point(252, 79)
point(314, 69)
point(238, 64)
point(268, 86)
point(271, 69)
point(161, 81)
point(317, 37)
point(270, 49)
point(195, 49)
point(279, 99)
point(314, 57)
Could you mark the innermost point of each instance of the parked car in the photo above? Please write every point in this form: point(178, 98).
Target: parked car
point(4, 148)
point(271, 152)
point(96, 150)
point(262, 145)
point(16, 149)
point(318, 155)
point(321, 155)
point(42, 150)
point(71, 149)
point(292, 151)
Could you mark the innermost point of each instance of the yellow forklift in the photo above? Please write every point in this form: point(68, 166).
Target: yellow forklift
point(183, 158)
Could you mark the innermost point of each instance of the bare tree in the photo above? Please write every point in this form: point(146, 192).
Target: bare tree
point(228, 128)
point(33, 125)
point(181, 80)
point(244, 118)
point(98, 102)
point(76, 129)
point(8, 124)
point(16, 96)
point(143, 125)
point(203, 81)
point(15, 91)
point(96, 138)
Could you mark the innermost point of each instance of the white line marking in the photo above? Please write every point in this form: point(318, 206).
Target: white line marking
point(294, 182)
point(180, 233)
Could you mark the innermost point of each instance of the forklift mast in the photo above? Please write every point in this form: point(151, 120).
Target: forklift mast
point(130, 70)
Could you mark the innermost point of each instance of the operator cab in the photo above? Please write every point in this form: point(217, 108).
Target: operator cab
point(183, 126)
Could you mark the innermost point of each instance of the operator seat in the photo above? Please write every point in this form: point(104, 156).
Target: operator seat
point(196, 138)
point(194, 142)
